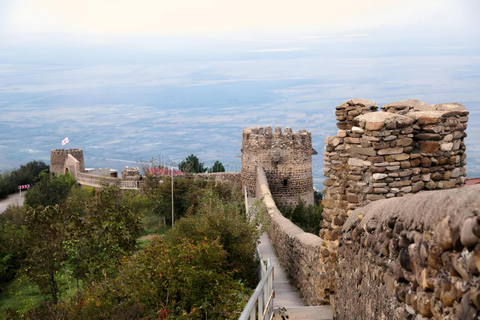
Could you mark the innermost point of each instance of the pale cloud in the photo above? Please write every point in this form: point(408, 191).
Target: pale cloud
point(214, 16)
point(279, 50)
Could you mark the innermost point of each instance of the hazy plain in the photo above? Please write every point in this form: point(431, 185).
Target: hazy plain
point(124, 100)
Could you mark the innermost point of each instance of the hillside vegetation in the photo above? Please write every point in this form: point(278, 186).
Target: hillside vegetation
point(75, 254)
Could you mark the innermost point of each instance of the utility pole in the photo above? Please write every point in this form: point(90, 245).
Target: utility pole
point(172, 191)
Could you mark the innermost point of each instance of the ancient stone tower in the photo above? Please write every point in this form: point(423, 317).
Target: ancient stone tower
point(286, 158)
point(58, 160)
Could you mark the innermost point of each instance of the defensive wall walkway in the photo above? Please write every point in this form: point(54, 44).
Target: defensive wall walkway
point(100, 181)
point(286, 295)
point(409, 257)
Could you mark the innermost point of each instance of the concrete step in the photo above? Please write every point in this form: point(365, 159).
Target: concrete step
point(305, 313)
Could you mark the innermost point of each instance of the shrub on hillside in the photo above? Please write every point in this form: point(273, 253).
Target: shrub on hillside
point(307, 217)
point(224, 221)
point(26, 174)
point(167, 280)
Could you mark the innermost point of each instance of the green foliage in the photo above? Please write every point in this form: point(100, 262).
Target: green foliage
point(159, 195)
point(85, 236)
point(317, 197)
point(12, 251)
point(99, 234)
point(191, 164)
point(224, 220)
point(26, 174)
point(6, 185)
point(45, 252)
point(217, 167)
point(18, 297)
point(112, 232)
point(167, 280)
point(306, 217)
point(49, 191)
point(199, 270)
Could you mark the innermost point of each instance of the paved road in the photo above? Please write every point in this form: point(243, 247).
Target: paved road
point(11, 199)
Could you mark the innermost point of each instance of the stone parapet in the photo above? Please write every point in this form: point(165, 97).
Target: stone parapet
point(409, 147)
point(347, 111)
point(415, 257)
point(130, 174)
point(222, 177)
point(298, 251)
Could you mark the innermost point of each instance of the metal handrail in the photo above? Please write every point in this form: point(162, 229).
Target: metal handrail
point(260, 305)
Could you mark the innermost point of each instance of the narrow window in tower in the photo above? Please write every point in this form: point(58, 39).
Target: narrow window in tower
point(285, 181)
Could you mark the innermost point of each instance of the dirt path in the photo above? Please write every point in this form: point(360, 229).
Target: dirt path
point(149, 237)
point(13, 198)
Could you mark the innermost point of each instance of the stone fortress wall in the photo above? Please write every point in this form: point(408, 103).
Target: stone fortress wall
point(415, 257)
point(384, 252)
point(286, 158)
point(408, 147)
point(298, 251)
point(219, 177)
point(72, 161)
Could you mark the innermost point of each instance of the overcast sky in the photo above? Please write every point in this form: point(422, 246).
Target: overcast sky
point(194, 17)
point(74, 67)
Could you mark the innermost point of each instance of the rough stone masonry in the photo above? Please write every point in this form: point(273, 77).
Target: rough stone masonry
point(408, 147)
point(415, 257)
point(286, 158)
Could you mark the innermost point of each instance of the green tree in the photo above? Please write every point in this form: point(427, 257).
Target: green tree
point(6, 185)
point(49, 190)
point(191, 164)
point(159, 194)
point(112, 232)
point(217, 167)
point(307, 217)
point(44, 246)
point(26, 174)
point(225, 221)
point(166, 280)
point(317, 197)
point(12, 249)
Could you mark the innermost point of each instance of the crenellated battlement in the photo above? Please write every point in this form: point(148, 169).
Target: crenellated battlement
point(286, 158)
point(58, 160)
point(254, 137)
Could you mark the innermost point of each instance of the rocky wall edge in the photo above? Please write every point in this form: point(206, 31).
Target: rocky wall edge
point(415, 257)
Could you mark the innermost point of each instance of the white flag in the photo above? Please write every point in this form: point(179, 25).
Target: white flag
point(65, 141)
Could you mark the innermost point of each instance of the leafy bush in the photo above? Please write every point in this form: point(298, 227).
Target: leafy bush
point(224, 220)
point(12, 250)
point(49, 191)
point(167, 280)
point(306, 217)
point(26, 174)
point(201, 269)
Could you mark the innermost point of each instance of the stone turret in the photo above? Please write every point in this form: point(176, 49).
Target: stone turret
point(58, 158)
point(286, 158)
